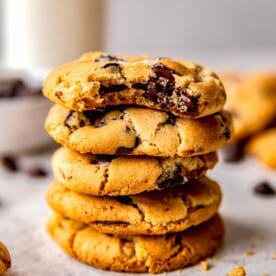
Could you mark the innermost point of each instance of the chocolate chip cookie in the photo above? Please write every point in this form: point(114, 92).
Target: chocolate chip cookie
point(153, 254)
point(251, 99)
point(5, 259)
point(125, 175)
point(137, 131)
point(98, 80)
point(155, 212)
point(263, 146)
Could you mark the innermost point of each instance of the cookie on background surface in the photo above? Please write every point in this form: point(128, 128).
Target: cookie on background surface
point(251, 99)
point(154, 254)
point(98, 80)
point(138, 131)
point(155, 212)
point(5, 259)
point(125, 175)
point(263, 147)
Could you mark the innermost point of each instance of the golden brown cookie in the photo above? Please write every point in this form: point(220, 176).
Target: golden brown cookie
point(137, 131)
point(5, 259)
point(98, 80)
point(251, 99)
point(155, 212)
point(125, 175)
point(263, 146)
point(153, 254)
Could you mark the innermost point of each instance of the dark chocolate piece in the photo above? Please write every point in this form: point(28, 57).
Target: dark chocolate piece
point(185, 102)
point(264, 188)
point(9, 163)
point(171, 182)
point(112, 88)
point(37, 172)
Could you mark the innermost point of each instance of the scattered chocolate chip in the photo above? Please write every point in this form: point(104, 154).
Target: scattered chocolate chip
point(9, 87)
point(37, 172)
point(9, 163)
point(108, 58)
point(234, 152)
point(264, 188)
point(112, 88)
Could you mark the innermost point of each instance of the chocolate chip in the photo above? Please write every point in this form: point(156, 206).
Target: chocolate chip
point(163, 83)
point(108, 58)
point(102, 159)
point(9, 87)
point(171, 182)
point(185, 102)
point(171, 119)
point(264, 188)
point(124, 200)
point(141, 86)
point(9, 163)
point(112, 88)
point(123, 151)
point(234, 152)
point(96, 117)
point(37, 172)
point(58, 94)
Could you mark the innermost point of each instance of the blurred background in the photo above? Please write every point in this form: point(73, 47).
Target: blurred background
point(39, 33)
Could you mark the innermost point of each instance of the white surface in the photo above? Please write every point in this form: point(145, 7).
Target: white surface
point(250, 225)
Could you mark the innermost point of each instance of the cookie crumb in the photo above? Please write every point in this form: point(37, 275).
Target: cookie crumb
point(250, 253)
point(204, 265)
point(237, 271)
point(264, 274)
point(273, 256)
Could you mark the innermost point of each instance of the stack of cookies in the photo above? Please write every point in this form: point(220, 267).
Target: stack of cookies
point(139, 133)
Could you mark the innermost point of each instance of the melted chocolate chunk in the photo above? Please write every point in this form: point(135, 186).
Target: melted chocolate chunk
point(95, 117)
point(185, 102)
point(113, 64)
point(264, 188)
point(171, 119)
point(112, 88)
point(9, 163)
point(123, 151)
point(108, 58)
point(37, 172)
point(139, 85)
point(171, 182)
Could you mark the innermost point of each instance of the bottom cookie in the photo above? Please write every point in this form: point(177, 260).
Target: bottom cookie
point(154, 254)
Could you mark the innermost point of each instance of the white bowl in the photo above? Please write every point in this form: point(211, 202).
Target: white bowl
point(22, 119)
point(22, 124)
